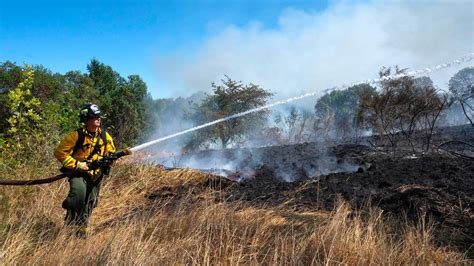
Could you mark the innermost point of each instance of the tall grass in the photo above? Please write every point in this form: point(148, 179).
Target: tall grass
point(191, 227)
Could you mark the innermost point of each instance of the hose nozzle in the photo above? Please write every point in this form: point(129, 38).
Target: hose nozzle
point(127, 151)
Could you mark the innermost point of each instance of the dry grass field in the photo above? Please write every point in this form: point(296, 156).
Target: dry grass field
point(132, 225)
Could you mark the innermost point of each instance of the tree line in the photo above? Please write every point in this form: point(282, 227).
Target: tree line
point(36, 101)
point(406, 109)
point(37, 105)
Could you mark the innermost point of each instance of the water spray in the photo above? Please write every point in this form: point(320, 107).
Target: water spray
point(114, 156)
point(464, 59)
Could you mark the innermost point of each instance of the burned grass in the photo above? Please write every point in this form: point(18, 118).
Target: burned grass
point(149, 215)
point(435, 188)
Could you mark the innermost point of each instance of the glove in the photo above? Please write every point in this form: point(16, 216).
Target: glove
point(107, 162)
point(94, 165)
point(127, 151)
point(109, 159)
point(82, 166)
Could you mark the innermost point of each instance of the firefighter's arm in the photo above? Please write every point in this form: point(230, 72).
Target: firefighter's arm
point(107, 159)
point(111, 156)
point(110, 143)
point(64, 150)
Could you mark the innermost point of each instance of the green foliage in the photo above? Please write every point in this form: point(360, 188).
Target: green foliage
point(230, 98)
point(47, 86)
point(55, 116)
point(23, 107)
point(104, 77)
point(38, 107)
point(79, 89)
point(461, 85)
point(10, 76)
point(3, 143)
point(24, 130)
point(121, 100)
point(128, 111)
point(339, 107)
point(168, 116)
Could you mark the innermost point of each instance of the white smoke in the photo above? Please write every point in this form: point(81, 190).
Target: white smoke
point(466, 58)
point(311, 50)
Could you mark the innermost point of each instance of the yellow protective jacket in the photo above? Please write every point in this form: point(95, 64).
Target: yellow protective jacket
point(65, 149)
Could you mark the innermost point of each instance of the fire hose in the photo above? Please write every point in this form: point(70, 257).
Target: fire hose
point(106, 160)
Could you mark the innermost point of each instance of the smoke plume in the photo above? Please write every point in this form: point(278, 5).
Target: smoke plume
point(310, 51)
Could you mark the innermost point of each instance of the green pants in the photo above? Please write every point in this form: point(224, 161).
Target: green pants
point(82, 198)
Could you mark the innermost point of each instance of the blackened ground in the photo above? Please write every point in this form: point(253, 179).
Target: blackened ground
point(438, 186)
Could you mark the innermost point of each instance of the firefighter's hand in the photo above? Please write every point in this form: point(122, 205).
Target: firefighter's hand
point(94, 165)
point(111, 157)
point(82, 167)
point(106, 161)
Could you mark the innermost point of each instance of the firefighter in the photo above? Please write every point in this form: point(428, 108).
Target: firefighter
point(77, 152)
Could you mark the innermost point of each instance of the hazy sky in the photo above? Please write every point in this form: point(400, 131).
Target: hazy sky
point(288, 47)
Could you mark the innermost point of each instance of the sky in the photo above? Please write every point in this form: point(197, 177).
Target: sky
point(287, 47)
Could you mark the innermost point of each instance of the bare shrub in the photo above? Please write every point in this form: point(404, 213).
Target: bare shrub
point(404, 106)
point(296, 126)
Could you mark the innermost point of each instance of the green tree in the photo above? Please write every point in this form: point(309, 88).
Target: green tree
point(461, 85)
point(23, 108)
point(105, 79)
point(230, 98)
point(47, 86)
point(129, 110)
point(121, 100)
point(10, 76)
point(340, 108)
point(55, 98)
point(78, 88)
point(105, 82)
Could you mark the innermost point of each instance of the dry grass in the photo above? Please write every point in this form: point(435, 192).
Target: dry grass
point(193, 228)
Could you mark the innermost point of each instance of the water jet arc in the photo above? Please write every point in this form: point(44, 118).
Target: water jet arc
point(464, 59)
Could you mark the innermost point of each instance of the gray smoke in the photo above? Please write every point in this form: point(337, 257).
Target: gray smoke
point(311, 50)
